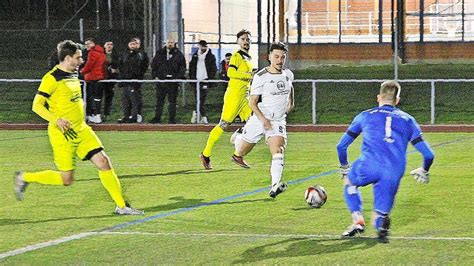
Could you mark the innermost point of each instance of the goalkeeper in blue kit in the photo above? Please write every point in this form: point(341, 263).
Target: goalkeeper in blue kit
point(386, 131)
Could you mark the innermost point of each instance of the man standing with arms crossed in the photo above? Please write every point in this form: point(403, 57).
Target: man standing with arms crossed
point(271, 98)
point(235, 98)
point(69, 135)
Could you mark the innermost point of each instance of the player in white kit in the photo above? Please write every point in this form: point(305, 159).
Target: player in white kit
point(271, 98)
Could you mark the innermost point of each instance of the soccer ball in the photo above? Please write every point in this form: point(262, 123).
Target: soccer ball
point(315, 196)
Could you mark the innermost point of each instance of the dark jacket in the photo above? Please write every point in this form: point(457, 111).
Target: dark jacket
point(133, 64)
point(95, 67)
point(174, 68)
point(209, 61)
point(223, 71)
point(113, 60)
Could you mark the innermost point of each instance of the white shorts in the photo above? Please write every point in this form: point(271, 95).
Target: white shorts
point(253, 130)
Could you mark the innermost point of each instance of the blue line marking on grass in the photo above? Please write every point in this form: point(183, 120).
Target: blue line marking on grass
point(214, 202)
point(154, 217)
point(217, 201)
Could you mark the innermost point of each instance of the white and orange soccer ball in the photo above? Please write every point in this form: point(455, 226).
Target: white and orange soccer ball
point(315, 196)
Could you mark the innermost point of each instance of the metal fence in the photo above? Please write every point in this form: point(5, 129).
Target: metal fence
point(315, 84)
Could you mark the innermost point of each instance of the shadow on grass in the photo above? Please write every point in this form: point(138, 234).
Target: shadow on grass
point(180, 172)
point(181, 202)
point(300, 247)
point(4, 222)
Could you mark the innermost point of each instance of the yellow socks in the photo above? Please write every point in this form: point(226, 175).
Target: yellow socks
point(112, 184)
point(215, 134)
point(48, 177)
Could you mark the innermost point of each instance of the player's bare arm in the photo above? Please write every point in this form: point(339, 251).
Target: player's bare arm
point(291, 102)
point(253, 102)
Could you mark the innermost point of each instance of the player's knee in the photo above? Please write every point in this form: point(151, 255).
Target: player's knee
point(224, 124)
point(102, 161)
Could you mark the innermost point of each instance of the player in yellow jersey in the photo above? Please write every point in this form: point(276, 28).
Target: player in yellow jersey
point(68, 133)
point(240, 73)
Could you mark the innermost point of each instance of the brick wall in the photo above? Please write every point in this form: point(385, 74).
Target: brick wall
point(306, 55)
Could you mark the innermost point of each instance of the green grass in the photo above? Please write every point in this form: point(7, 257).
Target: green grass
point(336, 103)
point(160, 172)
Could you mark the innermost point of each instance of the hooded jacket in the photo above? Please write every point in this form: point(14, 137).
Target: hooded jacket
point(96, 64)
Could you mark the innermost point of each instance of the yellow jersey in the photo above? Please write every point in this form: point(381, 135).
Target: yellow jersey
point(240, 72)
point(62, 91)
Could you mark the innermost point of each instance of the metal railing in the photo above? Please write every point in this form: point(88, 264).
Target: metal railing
point(314, 86)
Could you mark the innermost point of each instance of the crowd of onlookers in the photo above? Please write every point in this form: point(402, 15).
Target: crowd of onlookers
point(104, 62)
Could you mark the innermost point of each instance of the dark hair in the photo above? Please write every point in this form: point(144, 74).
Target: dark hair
point(135, 39)
point(228, 54)
point(66, 48)
point(242, 32)
point(278, 46)
point(203, 43)
point(91, 40)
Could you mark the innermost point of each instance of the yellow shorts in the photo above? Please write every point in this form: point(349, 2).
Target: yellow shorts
point(83, 144)
point(235, 103)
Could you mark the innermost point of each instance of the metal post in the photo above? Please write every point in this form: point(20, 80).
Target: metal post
point(339, 21)
point(198, 101)
point(259, 22)
point(298, 20)
point(274, 21)
point(287, 31)
point(395, 52)
point(81, 29)
point(219, 29)
point(109, 6)
point(47, 14)
point(380, 21)
point(463, 21)
point(433, 97)
point(313, 107)
point(422, 20)
point(122, 15)
point(97, 17)
point(268, 26)
point(183, 90)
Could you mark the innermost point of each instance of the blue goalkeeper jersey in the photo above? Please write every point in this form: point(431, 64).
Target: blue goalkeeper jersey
point(386, 131)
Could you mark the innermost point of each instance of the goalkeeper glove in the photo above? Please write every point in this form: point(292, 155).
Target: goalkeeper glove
point(344, 170)
point(421, 175)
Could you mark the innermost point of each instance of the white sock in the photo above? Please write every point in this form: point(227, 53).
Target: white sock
point(357, 218)
point(276, 170)
point(238, 143)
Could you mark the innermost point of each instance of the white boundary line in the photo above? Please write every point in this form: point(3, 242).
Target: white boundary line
point(109, 230)
point(335, 237)
point(46, 244)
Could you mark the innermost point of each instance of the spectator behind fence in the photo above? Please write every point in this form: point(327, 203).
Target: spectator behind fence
point(202, 67)
point(168, 63)
point(93, 71)
point(132, 65)
point(112, 59)
point(224, 67)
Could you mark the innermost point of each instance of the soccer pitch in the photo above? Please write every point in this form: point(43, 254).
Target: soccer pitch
point(224, 216)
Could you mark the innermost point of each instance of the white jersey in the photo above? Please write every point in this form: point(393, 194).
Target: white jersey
point(275, 90)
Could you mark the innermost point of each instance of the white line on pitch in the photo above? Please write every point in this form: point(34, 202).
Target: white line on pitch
point(45, 244)
point(281, 235)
